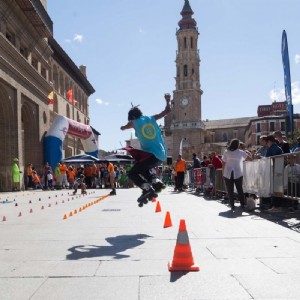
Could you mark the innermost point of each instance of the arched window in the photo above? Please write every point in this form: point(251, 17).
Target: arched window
point(184, 42)
point(185, 70)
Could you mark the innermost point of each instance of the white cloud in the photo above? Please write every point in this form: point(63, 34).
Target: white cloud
point(279, 95)
point(297, 58)
point(101, 102)
point(78, 37)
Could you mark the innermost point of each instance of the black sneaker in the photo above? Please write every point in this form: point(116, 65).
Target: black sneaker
point(146, 196)
point(113, 192)
point(158, 185)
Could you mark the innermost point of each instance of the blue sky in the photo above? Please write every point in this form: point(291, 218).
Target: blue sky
point(129, 48)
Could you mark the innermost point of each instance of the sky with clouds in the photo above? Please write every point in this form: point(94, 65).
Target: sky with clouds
point(129, 49)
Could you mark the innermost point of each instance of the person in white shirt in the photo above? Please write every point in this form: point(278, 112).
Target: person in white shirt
point(232, 160)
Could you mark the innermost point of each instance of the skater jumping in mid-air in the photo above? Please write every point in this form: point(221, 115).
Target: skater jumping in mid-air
point(153, 150)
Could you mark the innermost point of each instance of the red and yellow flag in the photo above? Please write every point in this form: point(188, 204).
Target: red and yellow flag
point(51, 98)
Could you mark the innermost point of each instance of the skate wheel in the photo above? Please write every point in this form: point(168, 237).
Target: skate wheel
point(145, 201)
point(141, 204)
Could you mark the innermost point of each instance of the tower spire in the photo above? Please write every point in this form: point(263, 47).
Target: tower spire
point(187, 22)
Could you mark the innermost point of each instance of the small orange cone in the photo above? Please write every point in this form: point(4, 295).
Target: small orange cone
point(157, 209)
point(183, 259)
point(75, 211)
point(71, 214)
point(65, 217)
point(80, 209)
point(168, 222)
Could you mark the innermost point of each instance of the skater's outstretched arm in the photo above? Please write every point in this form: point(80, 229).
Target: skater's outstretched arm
point(127, 126)
point(167, 108)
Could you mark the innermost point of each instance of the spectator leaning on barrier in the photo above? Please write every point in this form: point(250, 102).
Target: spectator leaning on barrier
point(273, 147)
point(232, 171)
point(262, 151)
point(296, 148)
point(284, 145)
point(273, 150)
point(196, 161)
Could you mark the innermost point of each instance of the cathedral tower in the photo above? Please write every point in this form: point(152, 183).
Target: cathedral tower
point(183, 125)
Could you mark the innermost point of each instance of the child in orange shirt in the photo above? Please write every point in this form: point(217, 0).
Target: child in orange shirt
point(36, 180)
point(71, 177)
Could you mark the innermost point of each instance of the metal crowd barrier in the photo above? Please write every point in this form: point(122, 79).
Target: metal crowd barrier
point(273, 176)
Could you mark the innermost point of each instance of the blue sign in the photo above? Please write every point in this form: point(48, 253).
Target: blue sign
point(287, 77)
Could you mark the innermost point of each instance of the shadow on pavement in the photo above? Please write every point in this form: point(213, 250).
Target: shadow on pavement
point(119, 244)
point(177, 275)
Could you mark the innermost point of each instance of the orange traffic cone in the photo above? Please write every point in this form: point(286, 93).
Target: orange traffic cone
point(168, 222)
point(157, 209)
point(183, 258)
point(65, 217)
point(70, 214)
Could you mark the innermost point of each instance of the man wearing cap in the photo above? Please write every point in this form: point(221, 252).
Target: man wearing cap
point(16, 175)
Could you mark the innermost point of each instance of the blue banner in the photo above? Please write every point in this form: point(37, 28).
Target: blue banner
point(287, 77)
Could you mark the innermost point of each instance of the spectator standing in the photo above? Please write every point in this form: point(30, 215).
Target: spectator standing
point(273, 150)
point(47, 168)
point(36, 180)
point(232, 171)
point(180, 169)
point(216, 163)
point(273, 147)
point(63, 175)
point(29, 176)
point(71, 176)
point(196, 161)
point(88, 173)
point(16, 175)
point(57, 175)
point(111, 177)
point(262, 151)
point(49, 180)
point(284, 145)
point(296, 148)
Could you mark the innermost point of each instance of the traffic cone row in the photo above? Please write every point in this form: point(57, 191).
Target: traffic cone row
point(71, 214)
point(4, 219)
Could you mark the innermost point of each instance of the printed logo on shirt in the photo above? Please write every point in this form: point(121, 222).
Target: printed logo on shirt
point(148, 131)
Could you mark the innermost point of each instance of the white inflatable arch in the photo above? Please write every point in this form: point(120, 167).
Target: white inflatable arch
point(54, 138)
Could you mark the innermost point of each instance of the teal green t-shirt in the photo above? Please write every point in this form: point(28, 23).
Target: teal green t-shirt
point(149, 135)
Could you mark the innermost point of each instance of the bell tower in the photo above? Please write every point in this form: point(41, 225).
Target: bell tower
point(184, 123)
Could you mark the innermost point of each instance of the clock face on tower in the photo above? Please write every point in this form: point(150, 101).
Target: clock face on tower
point(184, 102)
